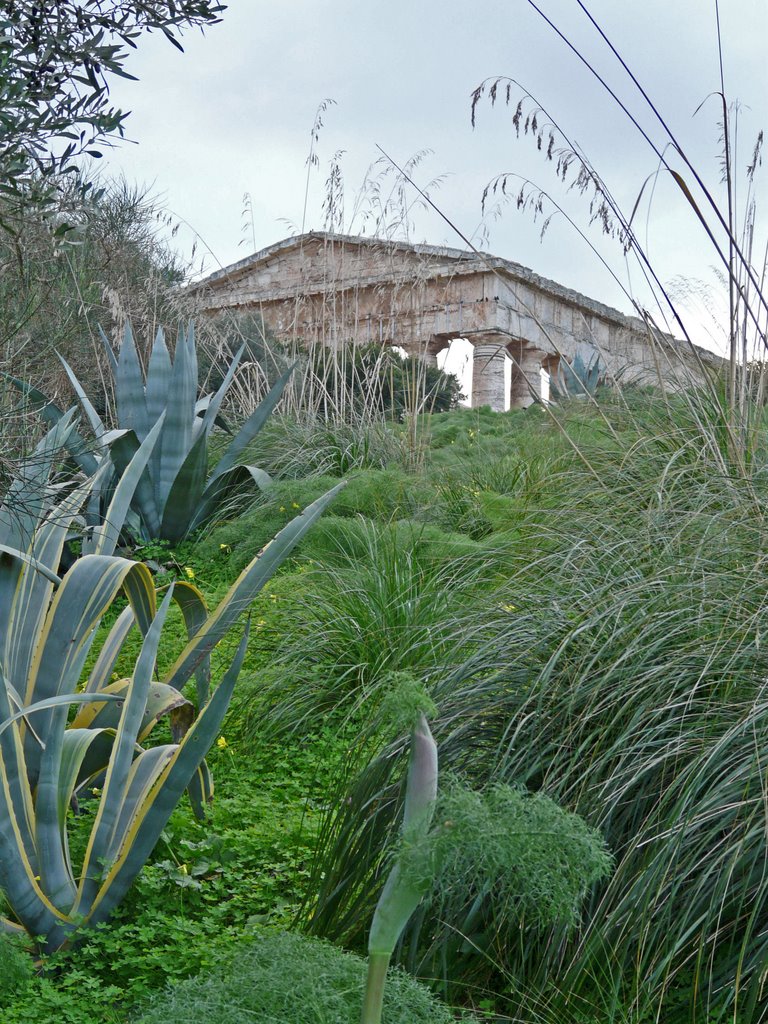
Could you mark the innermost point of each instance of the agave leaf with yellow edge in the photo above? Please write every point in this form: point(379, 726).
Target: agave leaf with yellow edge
point(46, 762)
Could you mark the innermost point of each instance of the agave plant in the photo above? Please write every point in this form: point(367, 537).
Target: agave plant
point(579, 378)
point(176, 493)
point(49, 625)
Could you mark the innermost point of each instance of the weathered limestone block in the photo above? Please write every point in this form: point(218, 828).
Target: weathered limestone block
point(426, 350)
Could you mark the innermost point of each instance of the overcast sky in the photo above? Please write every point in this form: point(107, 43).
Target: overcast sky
point(232, 116)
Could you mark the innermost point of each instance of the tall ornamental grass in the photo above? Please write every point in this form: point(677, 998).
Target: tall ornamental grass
point(622, 675)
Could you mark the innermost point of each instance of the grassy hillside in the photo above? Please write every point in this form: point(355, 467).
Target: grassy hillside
point(583, 597)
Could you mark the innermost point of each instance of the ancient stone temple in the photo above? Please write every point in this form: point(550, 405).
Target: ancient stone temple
point(327, 288)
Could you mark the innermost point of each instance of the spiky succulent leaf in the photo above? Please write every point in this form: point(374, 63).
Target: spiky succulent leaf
point(93, 417)
point(252, 426)
point(159, 371)
point(142, 832)
point(222, 488)
point(122, 451)
point(580, 377)
point(51, 414)
point(402, 893)
point(168, 496)
point(129, 388)
point(244, 589)
point(185, 494)
point(104, 537)
point(129, 727)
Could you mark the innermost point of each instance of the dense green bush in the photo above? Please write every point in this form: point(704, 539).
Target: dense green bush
point(277, 976)
point(16, 973)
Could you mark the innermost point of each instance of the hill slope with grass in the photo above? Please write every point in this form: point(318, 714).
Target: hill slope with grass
point(581, 592)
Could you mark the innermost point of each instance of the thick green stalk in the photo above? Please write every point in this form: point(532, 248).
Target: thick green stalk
point(400, 896)
point(374, 988)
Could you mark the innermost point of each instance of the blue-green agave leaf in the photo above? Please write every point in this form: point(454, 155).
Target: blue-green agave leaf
point(158, 377)
point(222, 488)
point(93, 417)
point(185, 493)
point(214, 405)
point(104, 666)
point(104, 538)
point(116, 782)
point(129, 389)
point(111, 357)
point(145, 493)
point(180, 416)
point(151, 817)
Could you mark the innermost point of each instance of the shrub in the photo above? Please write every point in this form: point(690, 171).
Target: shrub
point(276, 976)
point(17, 970)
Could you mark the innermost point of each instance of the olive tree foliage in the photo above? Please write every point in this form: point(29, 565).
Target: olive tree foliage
point(56, 60)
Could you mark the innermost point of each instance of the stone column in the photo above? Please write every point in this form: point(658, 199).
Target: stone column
point(525, 387)
point(488, 374)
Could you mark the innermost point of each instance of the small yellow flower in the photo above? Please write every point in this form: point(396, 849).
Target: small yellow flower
point(221, 743)
point(282, 508)
point(96, 791)
point(295, 504)
point(509, 608)
point(189, 572)
point(37, 878)
point(273, 597)
point(225, 548)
